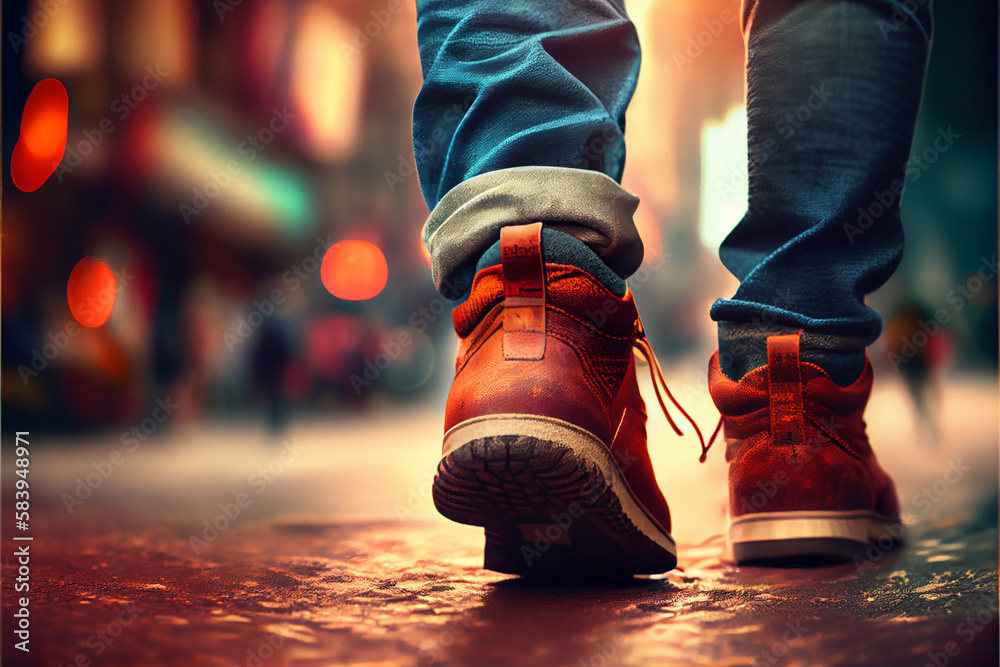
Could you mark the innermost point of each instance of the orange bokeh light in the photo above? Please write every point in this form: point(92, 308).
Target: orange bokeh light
point(354, 270)
point(40, 147)
point(91, 292)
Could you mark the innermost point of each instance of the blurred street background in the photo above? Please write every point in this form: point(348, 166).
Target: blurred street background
point(227, 350)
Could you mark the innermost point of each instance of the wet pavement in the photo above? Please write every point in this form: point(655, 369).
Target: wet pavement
point(326, 549)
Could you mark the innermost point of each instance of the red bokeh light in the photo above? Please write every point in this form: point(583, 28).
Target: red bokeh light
point(354, 270)
point(91, 292)
point(40, 147)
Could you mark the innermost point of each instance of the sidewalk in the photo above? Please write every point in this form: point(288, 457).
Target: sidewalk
point(327, 550)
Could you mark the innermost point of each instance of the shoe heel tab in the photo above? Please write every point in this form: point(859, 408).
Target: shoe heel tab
point(785, 389)
point(783, 350)
point(524, 284)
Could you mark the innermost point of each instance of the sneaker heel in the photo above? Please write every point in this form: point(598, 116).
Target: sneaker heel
point(553, 505)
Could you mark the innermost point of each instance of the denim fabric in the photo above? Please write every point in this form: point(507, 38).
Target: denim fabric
point(516, 83)
point(834, 87)
point(833, 91)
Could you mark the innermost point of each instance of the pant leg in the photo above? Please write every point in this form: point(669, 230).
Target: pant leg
point(521, 118)
point(833, 91)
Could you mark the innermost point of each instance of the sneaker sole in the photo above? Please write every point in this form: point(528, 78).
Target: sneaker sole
point(551, 498)
point(782, 535)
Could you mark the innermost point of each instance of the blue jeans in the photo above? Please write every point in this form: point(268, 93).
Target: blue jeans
point(520, 93)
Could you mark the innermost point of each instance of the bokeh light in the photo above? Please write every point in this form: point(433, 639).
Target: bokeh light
point(724, 176)
point(412, 354)
point(73, 40)
point(40, 147)
point(160, 33)
point(326, 84)
point(91, 292)
point(354, 270)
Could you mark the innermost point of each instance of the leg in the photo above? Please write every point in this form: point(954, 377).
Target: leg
point(833, 90)
point(521, 119)
point(519, 126)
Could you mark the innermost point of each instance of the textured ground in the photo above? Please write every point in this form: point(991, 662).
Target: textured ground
point(336, 557)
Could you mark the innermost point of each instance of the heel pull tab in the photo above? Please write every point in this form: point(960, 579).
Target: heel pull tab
point(785, 389)
point(524, 292)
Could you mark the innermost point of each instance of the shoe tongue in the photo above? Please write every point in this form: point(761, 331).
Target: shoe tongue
point(561, 248)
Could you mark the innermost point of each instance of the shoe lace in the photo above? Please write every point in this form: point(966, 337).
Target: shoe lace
point(642, 346)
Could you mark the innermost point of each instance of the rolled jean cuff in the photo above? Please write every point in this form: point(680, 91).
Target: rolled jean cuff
point(588, 205)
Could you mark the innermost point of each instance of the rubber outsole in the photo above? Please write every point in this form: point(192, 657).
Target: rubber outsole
point(784, 535)
point(551, 498)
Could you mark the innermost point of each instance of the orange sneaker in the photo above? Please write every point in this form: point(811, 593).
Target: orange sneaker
point(545, 431)
point(803, 480)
